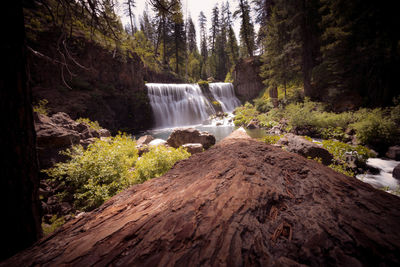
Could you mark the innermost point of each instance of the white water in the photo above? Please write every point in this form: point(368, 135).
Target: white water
point(178, 104)
point(384, 179)
point(184, 104)
point(225, 95)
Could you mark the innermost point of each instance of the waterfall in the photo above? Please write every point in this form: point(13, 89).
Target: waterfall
point(185, 104)
point(178, 104)
point(225, 95)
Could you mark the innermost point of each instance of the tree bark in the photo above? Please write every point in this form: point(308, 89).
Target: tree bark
point(19, 168)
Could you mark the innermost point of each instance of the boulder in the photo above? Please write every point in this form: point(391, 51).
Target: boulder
point(144, 140)
point(396, 172)
point(181, 136)
point(158, 142)
point(194, 148)
point(104, 133)
point(393, 152)
point(59, 132)
point(240, 203)
point(253, 124)
point(299, 145)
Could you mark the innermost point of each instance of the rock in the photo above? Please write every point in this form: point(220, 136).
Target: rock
point(104, 133)
point(247, 80)
point(194, 148)
point(275, 130)
point(158, 142)
point(59, 132)
point(218, 124)
point(240, 203)
point(393, 152)
point(144, 140)
point(396, 172)
point(299, 145)
point(181, 136)
point(253, 124)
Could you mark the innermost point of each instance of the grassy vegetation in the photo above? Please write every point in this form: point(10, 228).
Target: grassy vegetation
point(106, 167)
point(377, 128)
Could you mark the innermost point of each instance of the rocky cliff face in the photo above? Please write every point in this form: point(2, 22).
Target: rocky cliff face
point(83, 79)
point(240, 203)
point(247, 82)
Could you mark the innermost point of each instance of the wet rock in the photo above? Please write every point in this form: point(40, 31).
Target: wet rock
point(240, 203)
point(393, 152)
point(299, 145)
point(144, 140)
point(193, 148)
point(181, 136)
point(396, 172)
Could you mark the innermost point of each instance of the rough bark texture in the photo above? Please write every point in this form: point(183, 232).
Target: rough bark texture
point(247, 81)
point(240, 203)
point(19, 169)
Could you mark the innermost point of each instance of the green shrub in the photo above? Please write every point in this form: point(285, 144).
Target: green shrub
point(271, 139)
point(375, 128)
point(41, 107)
point(157, 161)
point(92, 124)
point(94, 175)
point(263, 104)
point(244, 114)
point(339, 150)
point(54, 224)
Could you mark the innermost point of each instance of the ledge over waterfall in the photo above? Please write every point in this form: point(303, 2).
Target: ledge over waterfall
point(240, 203)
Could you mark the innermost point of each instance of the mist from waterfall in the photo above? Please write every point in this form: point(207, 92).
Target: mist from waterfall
point(225, 95)
point(184, 104)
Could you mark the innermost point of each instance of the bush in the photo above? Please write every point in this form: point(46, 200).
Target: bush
point(375, 128)
point(271, 139)
point(339, 150)
point(157, 162)
point(94, 175)
point(263, 104)
point(244, 114)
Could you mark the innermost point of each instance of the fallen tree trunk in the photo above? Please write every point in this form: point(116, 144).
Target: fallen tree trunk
point(241, 202)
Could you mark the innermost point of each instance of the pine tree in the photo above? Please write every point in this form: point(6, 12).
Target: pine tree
point(203, 45)
point(192, 43)
point(247, 42)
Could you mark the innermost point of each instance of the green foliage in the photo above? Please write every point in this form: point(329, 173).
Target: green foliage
point(157, 161)
point(341, 168)
point(375, 128)
point(41, 107)
point(55, 223)
point(339, 150)
point(263, 104)
point(271, 139)
point(244, 114)
point(94, 175)
point(92, 124)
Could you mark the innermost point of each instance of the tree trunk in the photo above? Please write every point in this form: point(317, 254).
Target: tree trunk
point(19, 177)
point(307, 53)
point(240, 203)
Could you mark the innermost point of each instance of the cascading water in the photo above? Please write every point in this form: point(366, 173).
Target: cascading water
point(184, 104)
point(178, 104)
point(225, 95)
